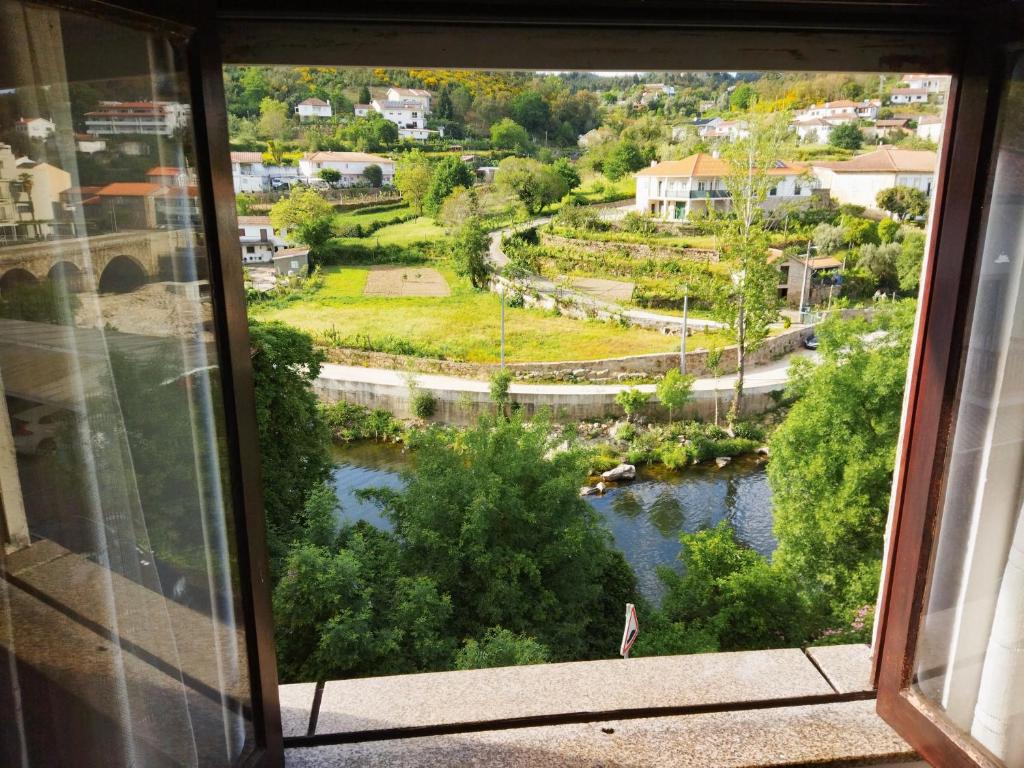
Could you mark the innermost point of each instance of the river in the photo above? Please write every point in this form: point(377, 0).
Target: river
point(645, 516)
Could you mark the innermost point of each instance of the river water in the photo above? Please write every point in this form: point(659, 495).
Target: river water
point(645, 516)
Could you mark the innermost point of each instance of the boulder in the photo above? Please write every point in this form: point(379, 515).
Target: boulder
point(763, 451)
point(588, 490)
point(619, 473)
point(601, 487)
point(721, 461)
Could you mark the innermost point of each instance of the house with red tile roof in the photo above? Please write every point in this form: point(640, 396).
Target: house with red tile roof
point(859, 180)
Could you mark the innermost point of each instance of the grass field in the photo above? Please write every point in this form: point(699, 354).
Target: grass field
point(463, 326)
point(351, 218)
point(406, 233)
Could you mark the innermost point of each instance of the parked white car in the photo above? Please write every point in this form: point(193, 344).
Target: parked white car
point(35, 429)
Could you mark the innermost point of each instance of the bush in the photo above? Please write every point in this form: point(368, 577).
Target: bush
point(580, 217)
point(748, 431)
point(424, 404)
point(349, 421)
point(501, 648)
point(638, 223)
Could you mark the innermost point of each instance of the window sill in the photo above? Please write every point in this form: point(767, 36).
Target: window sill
point(763, 708)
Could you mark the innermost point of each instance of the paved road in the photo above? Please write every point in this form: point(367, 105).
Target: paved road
point(773, 373)
point(546, 287)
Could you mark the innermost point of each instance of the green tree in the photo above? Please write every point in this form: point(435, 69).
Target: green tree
point(495, 521)
point(273, 123)
point(412, 177)
point(632, 401)
point(833, 457)
point(470, 252)
point(674, 390)
point(624, 158)
point(501, 648)
point(244, 204)
point(330, 175)
point(903, 202)
point(714, 363)
point(742, 97)
point(567, 171)
point(909, 261)
point(374, 175)
point(448, 174)
point(880, 262)
point(749, 301)
point(501, 383)
point(444, 109)
point(888, 230)
point(846, 136)
point(509, 135)
point(364, 95)
point(531, 111)
point(308, 215)
point(293, 437)
point(828, 238)
point(531, 183)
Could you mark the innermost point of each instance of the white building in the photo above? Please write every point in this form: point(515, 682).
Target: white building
point(730, 130)
point(930, 127)
point(816, 129)
point(33, 210)
point(362, 110)
point(88, 144)
point(312, 108)
point(248, 172)
point(859, 180)
point(349, 164)
point(678, 188)
point(405, 107)
point(908, 96)
point(867, 109)
point(260, 243)
point(35, 127)
point(153, 118)
point(930, 83)
point(415, 95)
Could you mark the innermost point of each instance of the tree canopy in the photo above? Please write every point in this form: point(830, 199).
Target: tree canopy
point(306, 213)
point(533, 184)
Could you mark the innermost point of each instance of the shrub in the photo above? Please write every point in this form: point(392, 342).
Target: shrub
point(349, 421)
point(748, 431)
point(501, 648)
point(424, 404)
point(631, 401)
point(639, 224)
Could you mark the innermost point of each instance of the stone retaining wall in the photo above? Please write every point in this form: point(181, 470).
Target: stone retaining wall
point(636, 250)
point(606, 371)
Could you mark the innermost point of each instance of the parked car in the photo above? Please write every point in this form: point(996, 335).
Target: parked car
point(35, 429)
point(811, 342)
point(320, 184)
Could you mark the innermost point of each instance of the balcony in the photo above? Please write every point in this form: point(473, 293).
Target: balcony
point(713, 194)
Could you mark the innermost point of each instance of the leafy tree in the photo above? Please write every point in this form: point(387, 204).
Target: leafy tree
point(909, 261)
point(674, 390)
point(749, 301)
point(832, 459)
point(501, 648)
point(244, 204)
point(828, 238)
point(880, 261)
point(273, 123)
point(470, 252)
point(374, 175)
point(308, 215)
point(852, 90)
point(567, 171)
point(631, 401)
point(385, 133)
point(742, 97)
point(330, 175)
point(444, 109)
point(501, 383)
point(495, 521)
point(859, 231)
point(448, 174)
point(846, 136)
point(533, 184)
point(293, 437)
point(531, 111)
point(46, 301)
point(509, 135)
point(364, 95)
point(714, 363)
point(624, 158)
point(888, 230)
point(412, 177)
point(903, 202)
point(459, 207)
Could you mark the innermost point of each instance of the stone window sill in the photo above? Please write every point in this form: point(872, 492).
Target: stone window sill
point(759, 708)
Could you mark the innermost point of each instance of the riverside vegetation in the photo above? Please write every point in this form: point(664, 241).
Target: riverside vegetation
point(495, 559)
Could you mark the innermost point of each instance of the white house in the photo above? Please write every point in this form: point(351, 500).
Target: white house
point(415, 95)
point(88, 144)
point(930, 127)
point(29, 210)
point(859, 180)
point(312, 108)
point(908, 96)
point(349, 164)
point(930, 83)
point(153, 118)
point(260, 243)
point(248, 172)
point(362, 110)
point(730, 130)
point(867, 109)
point(881, 128)
point(35, 127)
point(814, 129)
point(675, 189)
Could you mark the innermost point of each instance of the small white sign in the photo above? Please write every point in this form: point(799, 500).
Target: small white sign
point(630, 632)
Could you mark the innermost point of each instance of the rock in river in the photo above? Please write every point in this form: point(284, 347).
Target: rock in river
point(721, 461)
point(619, 473)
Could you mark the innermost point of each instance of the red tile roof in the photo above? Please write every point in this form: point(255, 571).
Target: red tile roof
point(886, 160)
point(131, 189)
point(164, 170)
point(246, 157)
point(704, 165)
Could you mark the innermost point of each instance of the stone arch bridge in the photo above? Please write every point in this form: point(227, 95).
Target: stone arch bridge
point(112, 263)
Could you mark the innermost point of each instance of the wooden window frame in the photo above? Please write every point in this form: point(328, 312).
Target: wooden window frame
point(801, 35)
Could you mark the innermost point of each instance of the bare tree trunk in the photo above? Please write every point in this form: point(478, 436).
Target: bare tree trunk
point(741, 362)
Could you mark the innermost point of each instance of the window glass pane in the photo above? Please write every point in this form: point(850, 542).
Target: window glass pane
point(969, 656)
point(120, 617)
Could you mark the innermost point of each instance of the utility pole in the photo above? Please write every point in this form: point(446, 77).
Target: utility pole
point(682, 340)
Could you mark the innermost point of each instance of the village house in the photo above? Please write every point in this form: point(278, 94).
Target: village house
point(88, 144)
point(153, 118)
point(819, 129)
point(414, 95)
point(259, 242)
point(38, 128)
point(882, 128)
point(653, 91)
point(248, 172)
point(806, 281)
point(677, 189)
point(929, 83)
point(32, 210)
point(407, 108)
point(867, 109)
point(349, 164)
point(312, 109)
point(929, 127)
point(170, 176)
point(729, 130)
point(859, 180)
point(908, 96)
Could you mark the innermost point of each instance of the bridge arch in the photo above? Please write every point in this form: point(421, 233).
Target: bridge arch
point(12, 278)
point(67, 276)
point(122, 274)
